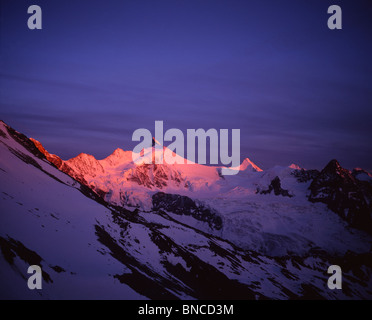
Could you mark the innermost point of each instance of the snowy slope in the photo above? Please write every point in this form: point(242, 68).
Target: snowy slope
point(43, 209)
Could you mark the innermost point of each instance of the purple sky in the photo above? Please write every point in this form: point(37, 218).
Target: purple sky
point(98, 70)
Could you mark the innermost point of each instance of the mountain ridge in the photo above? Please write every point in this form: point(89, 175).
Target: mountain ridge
point(83, 242)
point(114, 176)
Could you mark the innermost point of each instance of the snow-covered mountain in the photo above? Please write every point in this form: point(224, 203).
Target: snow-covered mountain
point(111, 229)
point(122, 182)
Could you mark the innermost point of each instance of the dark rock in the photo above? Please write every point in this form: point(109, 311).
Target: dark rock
point(275, 186)
point(348, 197)
point(58, 269)
point(11, 249)
point(183, 205)
point(25, 142)
point(305, 175)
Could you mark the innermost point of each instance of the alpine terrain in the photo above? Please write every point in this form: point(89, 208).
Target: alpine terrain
point(111, 229)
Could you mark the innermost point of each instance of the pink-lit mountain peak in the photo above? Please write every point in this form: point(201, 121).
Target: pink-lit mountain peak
point(118, 157)
point(295, 166)
point(247, 164)
point(89, 164)
point(83, 158)
point(118, 179)
point(85, 164)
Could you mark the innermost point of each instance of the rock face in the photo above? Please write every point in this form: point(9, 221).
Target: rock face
point(21, 139)
point(275, 186)
point(154, 175)
point(183, 205)
point(303, 175)
point(57, 161)
point(85, 165)
point(344, 194)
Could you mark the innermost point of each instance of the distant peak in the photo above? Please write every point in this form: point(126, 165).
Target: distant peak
point(333, 165)
point(335, 162)
point(118, 151)
point(295, 166)
point(119, 156)
point(247, 163)
point(82, 156)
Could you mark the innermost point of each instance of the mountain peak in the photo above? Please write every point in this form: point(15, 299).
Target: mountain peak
point(118, 152)
point(343, 194)
point(83, 155)
point(82, 158)
point(85, 164)
point(334, 162)
point(247, 163)
point(334, 167)
point(295, 166)
point(119, 156)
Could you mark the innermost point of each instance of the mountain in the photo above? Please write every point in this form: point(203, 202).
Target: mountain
point(121, 182)
point(247, 164)
point(226, 241)
point(344, 194)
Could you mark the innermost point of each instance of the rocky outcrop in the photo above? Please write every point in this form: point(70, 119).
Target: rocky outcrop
point(183, 205)
point(77, 168)
point(303, 175)
point(344, 194)
point(276, 187)
point(23, 140)
point(155, 175)
point(57, 161)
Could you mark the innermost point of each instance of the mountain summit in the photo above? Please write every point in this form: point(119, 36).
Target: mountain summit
point(115, 175)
